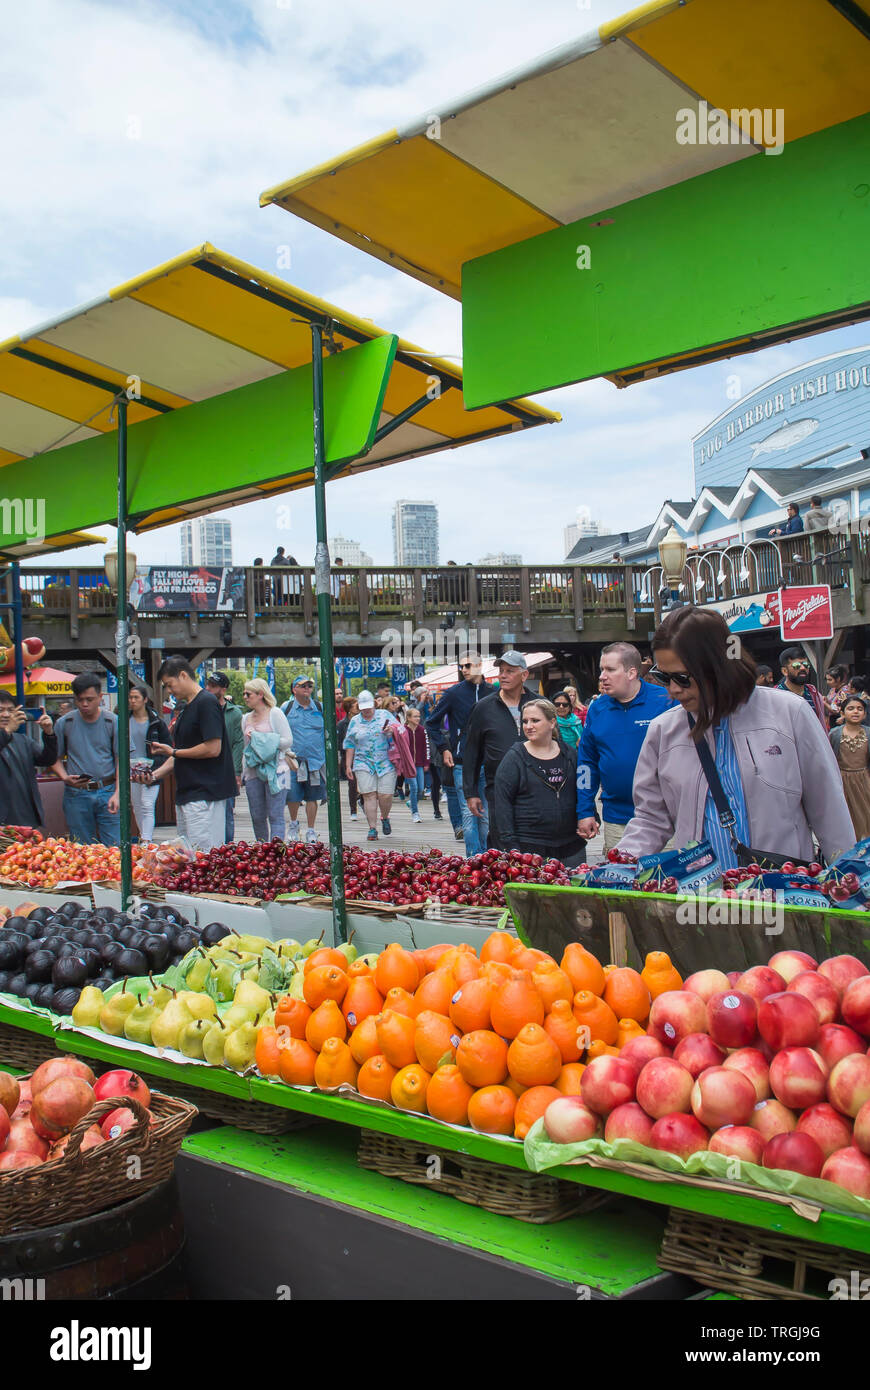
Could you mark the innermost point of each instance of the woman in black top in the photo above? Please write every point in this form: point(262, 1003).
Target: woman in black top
point(535, 790)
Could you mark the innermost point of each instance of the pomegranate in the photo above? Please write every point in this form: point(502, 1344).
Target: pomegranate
point(60, 1106)
point(18, 1159)
point(23, 1138)
point(10, 1093)
point(5, 1126)
point(25, 1100)
point(59, 1066)
point(90, 1139)
point(122, 1083)
point(117, 1122)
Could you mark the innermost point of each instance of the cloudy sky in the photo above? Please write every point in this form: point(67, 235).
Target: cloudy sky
point(134, 131)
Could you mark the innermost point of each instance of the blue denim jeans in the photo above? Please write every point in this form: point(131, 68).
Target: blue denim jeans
point(88, 818)
point(267, 809)
point(415, 787)
point(453, 810)
point(475, 828)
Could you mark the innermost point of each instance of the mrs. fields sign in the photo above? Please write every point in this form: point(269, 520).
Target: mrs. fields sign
point(802, 613)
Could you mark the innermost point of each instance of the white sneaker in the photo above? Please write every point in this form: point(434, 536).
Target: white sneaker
point(415, 818)
point(354, 816)
point(292, 832)
point(312, 837)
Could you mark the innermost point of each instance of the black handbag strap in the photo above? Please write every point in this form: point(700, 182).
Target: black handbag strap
point(727, 818)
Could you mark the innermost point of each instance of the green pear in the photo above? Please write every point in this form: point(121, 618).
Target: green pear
point(295, 990)
point(213, 1042)
point(371, 958)
point(158, 995)
point(252, 996)
point(113, 1014)
point(198, 974)
point(267, 1020)
point(255, 944)
point(86, 1012)
point(349, 951)
point(192, 1037)
point(287, 948)
point(240, 1047)
point(223, 980)
point(200, 1005)
point(166, 1028)
point(237, 1015)
point(311, 945)
point(137, 1024)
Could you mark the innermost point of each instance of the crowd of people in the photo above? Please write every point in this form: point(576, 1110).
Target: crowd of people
point(665, 742)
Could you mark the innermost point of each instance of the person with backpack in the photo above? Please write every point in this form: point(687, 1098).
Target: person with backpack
point(367, 743)
point(308, 778)
point(87, 764)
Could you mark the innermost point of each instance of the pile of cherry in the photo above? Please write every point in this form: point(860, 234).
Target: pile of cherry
point(49, 955)
point(268, 869)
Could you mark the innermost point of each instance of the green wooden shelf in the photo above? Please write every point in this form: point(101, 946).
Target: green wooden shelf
point(611, 1250)
point(832, 1228)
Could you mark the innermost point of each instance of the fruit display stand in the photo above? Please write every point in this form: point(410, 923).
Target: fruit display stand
point(725, 934)
point(304, 1167)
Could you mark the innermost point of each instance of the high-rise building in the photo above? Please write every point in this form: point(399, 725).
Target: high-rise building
point(207, 540)
point(580, 529)
point(502, 558)
point(351, 552)
point(415, 533)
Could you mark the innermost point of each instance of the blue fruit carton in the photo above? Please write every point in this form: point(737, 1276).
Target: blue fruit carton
point(799, 890)
point(694, 868)
point(611, 876)
point(847, 878)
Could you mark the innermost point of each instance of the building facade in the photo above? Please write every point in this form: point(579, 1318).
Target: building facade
point(207, 540)
point(349, 552)
point(415, 533)
point(502, 558)
point(802, 434)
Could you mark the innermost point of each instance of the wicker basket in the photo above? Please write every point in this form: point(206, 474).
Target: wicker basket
point(755, 1264)
point(461, 915)
point(77, 1184)
point(505, 1191)
point(254, 1115)
point(24, 1050)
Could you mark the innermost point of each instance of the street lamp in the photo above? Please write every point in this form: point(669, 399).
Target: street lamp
point(110, 563)
point(672, 553)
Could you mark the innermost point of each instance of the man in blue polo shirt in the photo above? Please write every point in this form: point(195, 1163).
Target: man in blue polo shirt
point(611, 741)
point(308, 780)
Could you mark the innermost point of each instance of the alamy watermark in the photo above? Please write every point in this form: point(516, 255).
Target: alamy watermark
point(22, 516)
point(734, 912)
point(708, 125)
point(442, 645)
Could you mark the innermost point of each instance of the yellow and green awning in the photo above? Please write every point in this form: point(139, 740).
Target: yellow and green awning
point(214, 356)
point(587, 127)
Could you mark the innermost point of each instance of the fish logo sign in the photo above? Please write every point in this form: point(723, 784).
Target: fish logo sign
point(785, 437)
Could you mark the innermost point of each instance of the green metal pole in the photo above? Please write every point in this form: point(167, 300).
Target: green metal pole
point(121, 633)
point(324, 629)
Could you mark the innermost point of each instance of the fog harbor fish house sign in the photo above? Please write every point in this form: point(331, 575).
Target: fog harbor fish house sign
point(818, 413)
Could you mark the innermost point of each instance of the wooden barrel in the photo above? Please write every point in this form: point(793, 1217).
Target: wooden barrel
point(131, 1251)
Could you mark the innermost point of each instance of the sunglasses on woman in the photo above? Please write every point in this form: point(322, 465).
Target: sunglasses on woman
point(561, 704)
point(680, 678)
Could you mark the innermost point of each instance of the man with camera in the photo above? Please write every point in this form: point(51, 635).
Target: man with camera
point(20, 756)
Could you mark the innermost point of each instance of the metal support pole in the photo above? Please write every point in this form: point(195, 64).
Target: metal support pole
point(17, 633)
point(324, 631)
point(121, 634)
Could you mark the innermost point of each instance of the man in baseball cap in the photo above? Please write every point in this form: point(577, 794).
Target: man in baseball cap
point(218, 683)
point(308, 780)
point(494, 727)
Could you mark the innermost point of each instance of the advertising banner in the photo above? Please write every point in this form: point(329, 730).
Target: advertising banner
point(750, 612)
point(180, 588)
point(805, 613)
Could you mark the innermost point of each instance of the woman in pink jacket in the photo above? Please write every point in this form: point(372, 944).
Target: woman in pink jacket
point(774, 763)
